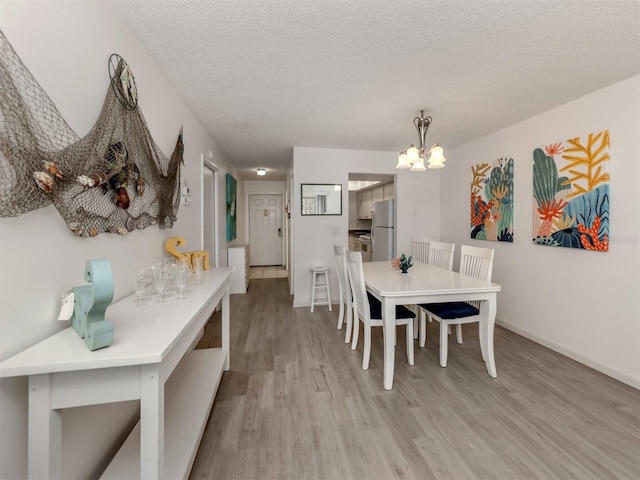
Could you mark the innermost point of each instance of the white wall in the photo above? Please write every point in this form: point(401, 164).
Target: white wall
point(417, 204)
point(66, 46)
point(583, 304)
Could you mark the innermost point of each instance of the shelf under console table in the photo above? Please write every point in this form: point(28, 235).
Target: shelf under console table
point(150, 359)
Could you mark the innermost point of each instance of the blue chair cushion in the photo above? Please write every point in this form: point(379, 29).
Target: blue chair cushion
point(451, 310)
point(375, 308)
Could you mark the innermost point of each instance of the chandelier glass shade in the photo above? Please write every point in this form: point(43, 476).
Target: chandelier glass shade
point(414, 157)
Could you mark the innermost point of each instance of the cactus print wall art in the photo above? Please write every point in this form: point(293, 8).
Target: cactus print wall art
point(492, 201)
point(571, 193)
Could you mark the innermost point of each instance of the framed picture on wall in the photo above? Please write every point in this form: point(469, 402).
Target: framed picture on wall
point(492, 200)
point(571, 193)
point(321, 199)
point(232, 189)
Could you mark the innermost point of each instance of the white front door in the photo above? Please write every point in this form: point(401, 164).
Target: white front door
point(265, 229)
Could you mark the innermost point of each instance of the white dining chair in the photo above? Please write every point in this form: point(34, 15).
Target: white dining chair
point(420, 253)
point(474, 262)
point(346, 305)
point(440, 255)
point(420, 249)
point(368, 310)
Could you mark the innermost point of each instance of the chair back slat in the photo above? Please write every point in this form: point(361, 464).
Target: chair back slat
point(420, 249)
point(441, 254)
point(358, 288)
point(476, 262)
point(341, 268)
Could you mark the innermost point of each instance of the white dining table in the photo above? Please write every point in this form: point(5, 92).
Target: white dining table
point(425, 283)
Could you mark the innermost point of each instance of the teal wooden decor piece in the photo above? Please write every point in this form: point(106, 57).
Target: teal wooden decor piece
point(405, 263)
point(90, 305)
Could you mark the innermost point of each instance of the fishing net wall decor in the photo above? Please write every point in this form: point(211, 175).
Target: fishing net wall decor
point(115, 179)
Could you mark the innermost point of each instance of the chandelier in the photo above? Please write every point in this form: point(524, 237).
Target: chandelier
point(414, 157)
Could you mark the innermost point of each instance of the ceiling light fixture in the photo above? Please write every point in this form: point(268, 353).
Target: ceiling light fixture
point(261, 171)
point(414, 157)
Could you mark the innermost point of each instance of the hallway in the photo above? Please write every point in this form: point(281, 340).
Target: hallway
point(273, 271)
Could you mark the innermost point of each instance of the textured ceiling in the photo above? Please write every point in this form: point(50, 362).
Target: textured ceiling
point(264, 76)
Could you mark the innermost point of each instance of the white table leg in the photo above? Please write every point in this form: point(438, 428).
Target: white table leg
point(389, 331)
point(487, 324)
point(151, 423)
point(226, 342)
point(45, 430)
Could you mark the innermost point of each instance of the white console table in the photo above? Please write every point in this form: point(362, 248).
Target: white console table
point(150, 342)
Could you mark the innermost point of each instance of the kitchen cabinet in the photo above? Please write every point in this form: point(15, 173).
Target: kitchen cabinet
point(352, 242)
point(365, 204)
point(238, 257)
point(378, 194)
point(366, 199)
point(389, 191)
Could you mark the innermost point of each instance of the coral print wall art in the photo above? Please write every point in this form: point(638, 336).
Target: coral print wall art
point(571, 193)
point(492, 201)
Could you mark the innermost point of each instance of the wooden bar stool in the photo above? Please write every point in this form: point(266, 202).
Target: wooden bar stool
point(320, 293)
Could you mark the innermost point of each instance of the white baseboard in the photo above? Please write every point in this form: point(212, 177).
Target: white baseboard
point(633, 382)
point(298, 303)
point(307, 303)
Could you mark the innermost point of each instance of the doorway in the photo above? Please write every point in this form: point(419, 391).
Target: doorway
point(209, 238)
point(366, 190)
point(265, 229)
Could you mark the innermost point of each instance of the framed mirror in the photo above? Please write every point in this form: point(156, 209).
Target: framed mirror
point(321, 199)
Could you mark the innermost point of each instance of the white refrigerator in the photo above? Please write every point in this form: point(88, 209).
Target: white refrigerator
point(382, 231)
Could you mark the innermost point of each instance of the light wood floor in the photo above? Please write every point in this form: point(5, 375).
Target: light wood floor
point(297, 405)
